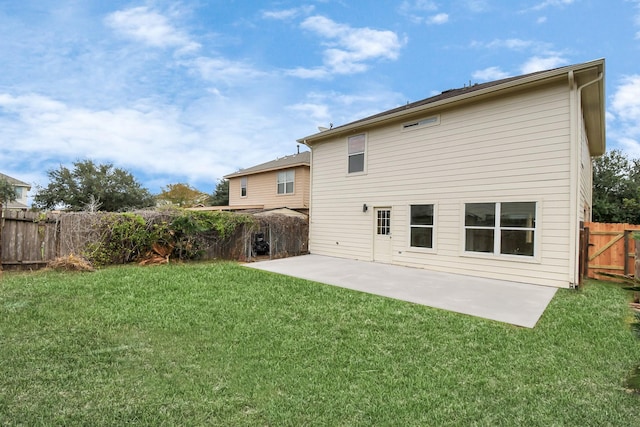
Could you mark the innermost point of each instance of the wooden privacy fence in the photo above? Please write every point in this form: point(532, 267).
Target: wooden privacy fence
point(29, 240)
point(611, 248)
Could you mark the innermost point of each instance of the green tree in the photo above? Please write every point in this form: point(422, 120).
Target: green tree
point(616, 188)
point(89, 185)
point(182, 195)
point(7, 193)
point(220, 196)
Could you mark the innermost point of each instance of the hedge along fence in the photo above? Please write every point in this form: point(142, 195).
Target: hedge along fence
point(118, 238)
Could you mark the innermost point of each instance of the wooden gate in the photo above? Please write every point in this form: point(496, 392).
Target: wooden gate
point(611, 248)
point(27, 239)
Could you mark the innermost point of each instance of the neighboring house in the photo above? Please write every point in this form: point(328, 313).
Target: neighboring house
point(22, 189)
point(491, 180)
point(280, 183)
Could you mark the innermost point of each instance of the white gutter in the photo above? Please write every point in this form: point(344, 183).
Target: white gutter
point(576, 146)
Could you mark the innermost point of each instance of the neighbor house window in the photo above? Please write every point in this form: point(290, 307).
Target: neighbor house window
point(243, 186)
point(356, 145)
point(500, 228)
point(286, 181)
point(421, 226)
point(18, 192)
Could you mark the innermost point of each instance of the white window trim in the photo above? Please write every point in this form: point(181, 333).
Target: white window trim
point(496, 255)
point(434, 242)
point(285, 182)
point(366, 146)
point(245, 186)
point(422, 123)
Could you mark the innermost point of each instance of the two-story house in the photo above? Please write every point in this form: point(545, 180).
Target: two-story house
point(491, 180)
point(22, 189)
point(280, 183)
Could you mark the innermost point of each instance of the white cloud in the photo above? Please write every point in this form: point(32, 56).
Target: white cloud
point(416, 10)
point(625, 113)
point(489, 74)
point(286, 14)
point(542, 63)
point(200, 142)
point(220, 70)
point(477, 6)
point(512, 44)
point(541, 20)
point(440, 18)
point(349, 49)
point(149, 27)
point(552, 3)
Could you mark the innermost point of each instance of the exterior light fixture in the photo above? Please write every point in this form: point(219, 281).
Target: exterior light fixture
point(365, 207)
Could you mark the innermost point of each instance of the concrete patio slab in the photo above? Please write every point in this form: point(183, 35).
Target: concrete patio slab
point(516, 303)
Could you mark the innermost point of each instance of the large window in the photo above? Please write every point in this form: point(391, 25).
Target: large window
point(286, 181)
point(421, 226)
point(500, 228)
point(243, 186)
point(356, 145)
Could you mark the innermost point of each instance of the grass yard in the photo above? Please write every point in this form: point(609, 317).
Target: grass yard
point(220, 344)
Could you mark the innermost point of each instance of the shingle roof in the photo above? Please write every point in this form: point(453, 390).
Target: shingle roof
point(300, 159)
point(448, 96)
point(14, 181)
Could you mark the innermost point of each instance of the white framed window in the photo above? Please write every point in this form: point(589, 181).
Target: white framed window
point(18, 192)
point(243, 186)
point(421, 223)
point(501, 228)
point(422, 123)
point(356, 146)
point(286, 181)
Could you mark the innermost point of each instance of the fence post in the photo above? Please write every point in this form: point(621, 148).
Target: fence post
point(626, 251)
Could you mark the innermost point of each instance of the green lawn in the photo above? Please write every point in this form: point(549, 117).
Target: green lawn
point(220, 344)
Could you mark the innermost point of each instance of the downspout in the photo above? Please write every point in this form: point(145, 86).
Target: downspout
point(310, 195)
point(576, 147)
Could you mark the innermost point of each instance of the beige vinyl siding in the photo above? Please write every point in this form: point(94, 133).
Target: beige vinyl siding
point(515, 148)
point(586, 177)
point(262, 190)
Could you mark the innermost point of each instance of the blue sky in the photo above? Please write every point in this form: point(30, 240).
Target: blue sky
point(191, 90)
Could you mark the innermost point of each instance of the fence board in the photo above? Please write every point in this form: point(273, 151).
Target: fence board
point(28, 239)
point(611, 248)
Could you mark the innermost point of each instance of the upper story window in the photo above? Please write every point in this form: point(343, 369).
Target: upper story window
point(422, 226)
point(356, 148)
point(500, 228)
point(18, 192)
point(286, 181)
point(243, 186)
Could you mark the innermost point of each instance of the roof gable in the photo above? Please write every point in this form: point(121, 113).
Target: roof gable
point(286, 162)
point(13, 181)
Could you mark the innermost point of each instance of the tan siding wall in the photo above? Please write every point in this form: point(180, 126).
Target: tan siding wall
point(262, 190)
point(586, 177)
point(512, 149)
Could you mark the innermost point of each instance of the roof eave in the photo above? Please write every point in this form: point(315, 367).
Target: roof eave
point(524, 81)
point(247, 173)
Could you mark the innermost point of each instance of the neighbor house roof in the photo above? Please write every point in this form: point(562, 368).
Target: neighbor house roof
point(589, 74)
point(300, 159)
point(14, 182)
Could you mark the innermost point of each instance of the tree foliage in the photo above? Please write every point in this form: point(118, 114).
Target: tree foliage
point(90, 184)
point(220, 196)
point(182, 195)
point(616, 188)
point(7, 193)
